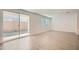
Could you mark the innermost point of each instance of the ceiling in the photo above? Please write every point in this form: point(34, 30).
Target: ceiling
point(49, 12)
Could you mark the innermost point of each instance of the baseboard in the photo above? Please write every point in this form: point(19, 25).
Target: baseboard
point(39, 33)
point(64, 31)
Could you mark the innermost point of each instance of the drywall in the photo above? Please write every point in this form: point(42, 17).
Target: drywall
point(66, 22)
point(36, 25)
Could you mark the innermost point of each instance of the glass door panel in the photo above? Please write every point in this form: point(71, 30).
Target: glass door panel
point(24, 31)
point(24, 25)
point(10, 25)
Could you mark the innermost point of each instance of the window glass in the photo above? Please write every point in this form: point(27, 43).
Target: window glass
point(45, 21)
point(24, 23)
point(10, 23)
point(15, 25)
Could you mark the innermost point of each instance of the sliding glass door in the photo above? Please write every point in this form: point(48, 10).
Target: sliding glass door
point(24, 24)
point(10, 25)
point(15, 25)
point(24, 31)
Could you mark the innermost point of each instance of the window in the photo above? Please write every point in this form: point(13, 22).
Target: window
point(45, 21)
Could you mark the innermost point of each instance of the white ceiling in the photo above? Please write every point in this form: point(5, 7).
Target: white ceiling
point(49, 12)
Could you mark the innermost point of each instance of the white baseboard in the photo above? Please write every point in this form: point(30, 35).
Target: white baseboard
point(64, 31)
point(39, 32)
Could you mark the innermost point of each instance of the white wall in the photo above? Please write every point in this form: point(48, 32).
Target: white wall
point(36, 26)
point(66, 22)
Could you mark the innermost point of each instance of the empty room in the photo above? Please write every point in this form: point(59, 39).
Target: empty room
point(39, 29)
